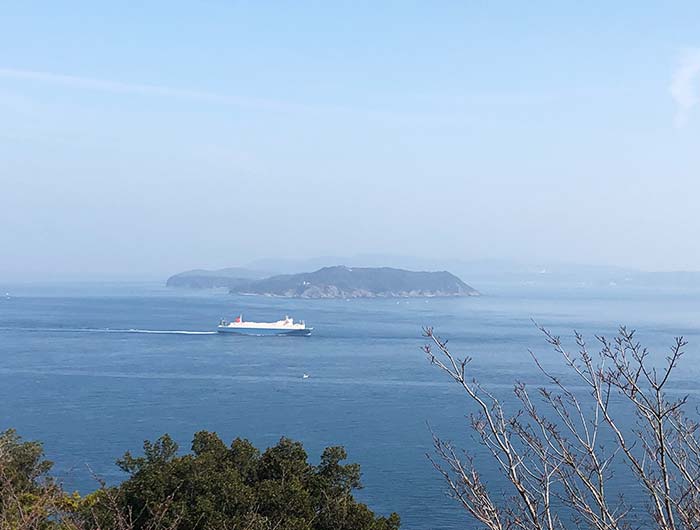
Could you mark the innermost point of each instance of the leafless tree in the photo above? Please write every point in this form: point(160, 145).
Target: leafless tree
point(111, 515)
point(45, 507)
point(558, 449)
point(48, 507)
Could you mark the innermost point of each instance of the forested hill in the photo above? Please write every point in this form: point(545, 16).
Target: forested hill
point(357, 282)
point(331, 282)
point(229, 278)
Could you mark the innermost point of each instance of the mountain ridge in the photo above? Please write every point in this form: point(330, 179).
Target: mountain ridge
point(337, 281)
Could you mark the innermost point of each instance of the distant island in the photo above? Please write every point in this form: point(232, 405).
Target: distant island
point(331, 282)
point(230, 278)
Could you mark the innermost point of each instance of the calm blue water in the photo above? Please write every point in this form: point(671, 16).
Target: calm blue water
point(93, 370)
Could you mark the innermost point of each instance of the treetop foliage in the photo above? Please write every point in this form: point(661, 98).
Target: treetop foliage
point(213, 487)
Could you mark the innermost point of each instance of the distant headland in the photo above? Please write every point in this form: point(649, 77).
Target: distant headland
point(330, 282)
point(230, 278)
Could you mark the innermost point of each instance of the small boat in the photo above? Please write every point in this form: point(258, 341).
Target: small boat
point(286, 326)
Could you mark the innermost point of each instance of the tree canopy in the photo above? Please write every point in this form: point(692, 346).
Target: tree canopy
point(215, 486)
point(29, 498)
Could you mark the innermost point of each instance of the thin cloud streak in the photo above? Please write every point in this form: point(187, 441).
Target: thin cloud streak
point(441, 117)
point(144, 89)
point(685, 85)
point(103, 85)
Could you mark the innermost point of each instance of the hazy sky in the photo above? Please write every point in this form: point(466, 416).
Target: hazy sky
point(147, 139)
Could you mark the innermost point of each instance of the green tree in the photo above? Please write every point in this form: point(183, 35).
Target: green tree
point(29, 498)
point(218, 487)
point(214, 487)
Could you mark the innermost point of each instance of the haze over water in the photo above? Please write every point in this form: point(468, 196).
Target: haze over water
point(94, 369)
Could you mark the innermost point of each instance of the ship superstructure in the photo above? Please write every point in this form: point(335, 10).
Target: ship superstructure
point(286, 326)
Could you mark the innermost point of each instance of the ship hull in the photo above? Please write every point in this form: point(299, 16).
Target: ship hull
point(263, 332)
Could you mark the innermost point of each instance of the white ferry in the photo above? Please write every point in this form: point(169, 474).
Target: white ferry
point(286, 326)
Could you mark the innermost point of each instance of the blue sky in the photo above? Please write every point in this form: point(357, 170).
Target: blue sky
point(146, 139)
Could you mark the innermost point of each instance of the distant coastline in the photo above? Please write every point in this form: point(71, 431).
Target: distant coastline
point(330, 282)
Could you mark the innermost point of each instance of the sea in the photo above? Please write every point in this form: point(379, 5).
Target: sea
point(94, 369)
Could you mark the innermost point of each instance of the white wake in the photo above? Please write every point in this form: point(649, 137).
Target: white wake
point(110, 330)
